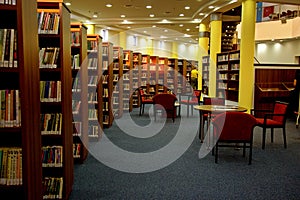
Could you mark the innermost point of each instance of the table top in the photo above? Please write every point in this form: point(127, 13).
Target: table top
point(220, 108)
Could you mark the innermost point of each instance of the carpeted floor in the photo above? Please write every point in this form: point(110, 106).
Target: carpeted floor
point(274, 173)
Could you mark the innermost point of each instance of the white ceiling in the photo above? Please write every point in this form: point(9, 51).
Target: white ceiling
point(138, 20)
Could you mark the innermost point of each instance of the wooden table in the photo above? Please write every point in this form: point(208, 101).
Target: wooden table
point(215, 109)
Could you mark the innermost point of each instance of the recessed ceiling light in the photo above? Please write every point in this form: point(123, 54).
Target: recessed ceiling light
point(151, 15)
point(108, 5)
point(181, 15)
point(123, 16)
point(181, 25)
point(211, 7)
point(165, 30)
point(201, 14)
point(128, 27)
point(187, 7)
point(187, 29)
point(153, 26)
point(68, 3)
point(95, 15)
point(164, 21)
point(149, 7)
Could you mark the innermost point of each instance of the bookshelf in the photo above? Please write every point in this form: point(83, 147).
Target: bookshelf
point(56, 114)
point(79, 91)
point(182, 76)
point(127, 80)
point(107, 83)
point(162, 71)
point(19, 133)
point(205, 74)
point(228, 65)
point(136, 78)
point(172, 75)
point(153, 75)
point(95, 90)
point(145, 73)
point(118, 84)
point(187, 66)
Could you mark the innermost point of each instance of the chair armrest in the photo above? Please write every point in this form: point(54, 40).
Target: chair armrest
point(253, 111)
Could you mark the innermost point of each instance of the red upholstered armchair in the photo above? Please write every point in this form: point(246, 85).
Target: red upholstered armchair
point(191, 99)
point(234, 129)
point(144, 99)
point(166, 103)
point(275, 118)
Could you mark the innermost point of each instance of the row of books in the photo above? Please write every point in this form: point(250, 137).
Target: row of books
point(50, 91)
point(10, 166)
point(10, 112)
point(52, 156)
point(76, 85)
point(76, 106)
point(8, 48)
point(8, 2)
point(77, 128)
point(52, 188)
point(48, 22)
point(75, 60)
point(92, 63)
point(93, 131)
point(75, 38)
point(48, 57)
point(92, 114)
point(51, 123)
point(92, 44)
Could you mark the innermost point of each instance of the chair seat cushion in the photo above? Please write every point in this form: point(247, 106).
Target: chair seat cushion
point(260, 122)
point(147, 101)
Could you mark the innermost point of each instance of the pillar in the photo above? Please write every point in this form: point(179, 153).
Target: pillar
point(215, 47)
point(123, 40)
point(202, 50)
point(150, 47)
point(90, 28)
point(174, 53)
point(247, 46)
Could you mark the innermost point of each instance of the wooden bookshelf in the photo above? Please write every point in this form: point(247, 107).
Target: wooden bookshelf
point(136, 78)
point(127, 80)
point(21, 133)
point(153, 75)
point(107, 83)
point(57, 138)
point(205, 74)
point(118, 84)
point(162, 71)
point(79, 91)
point(95, 89)
point(145, 73)
point(172, 75)
point(228, 65)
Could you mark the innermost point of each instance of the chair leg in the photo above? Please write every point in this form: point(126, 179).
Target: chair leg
point(244, 149)
point(141, 109)
point(264, 138)
point(284, 137)
point(192, 110)
point(272, 135)
point(250, 154)
point(216, 153)
point(188, 110)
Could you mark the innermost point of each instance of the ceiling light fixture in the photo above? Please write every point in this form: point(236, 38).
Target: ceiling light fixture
point(181, 25)
point(68, 3)
point(187, 7)
point(153, 26)
point(181, 15)
point(108, 5)
point(149, 7)
point(123, 16)
point(95, 15)
point(211, 7)
point(151, 15)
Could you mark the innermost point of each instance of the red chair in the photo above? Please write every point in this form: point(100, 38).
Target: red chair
point(191, 100)
point(144, 99)
point(165, 103)
point(233, 129)
point(275, 118)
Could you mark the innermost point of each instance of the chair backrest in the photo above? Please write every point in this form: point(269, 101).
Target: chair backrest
point(165, 100)
point(196, 95)
point(234, 126)
point(142, 95)
point(280, 108)
point(213, 101)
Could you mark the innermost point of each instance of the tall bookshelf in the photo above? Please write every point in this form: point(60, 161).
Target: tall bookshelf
point(117, 95)
point(21, 177)
point(153, 75)
point(228, 65)
point(107, 83)
point(205, 74)
point(95, 90)
point(79, 91)
point(162, 71)
point(172, 74)
point(127, 80)
point(145, 73)
point(56, 111)
point(136, 78)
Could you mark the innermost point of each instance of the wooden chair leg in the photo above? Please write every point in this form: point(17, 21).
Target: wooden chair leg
point(244, 149)
point(264, 138)
point(188, 110)
point(141, 109)
point(284, 138)
point(272, 135)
